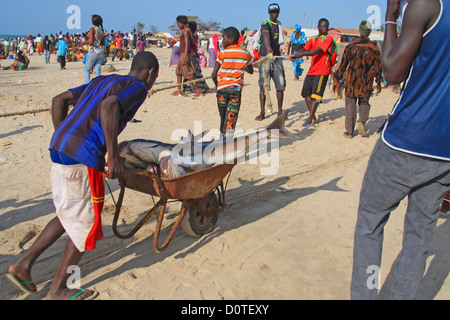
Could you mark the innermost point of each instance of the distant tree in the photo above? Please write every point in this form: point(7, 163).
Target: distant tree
point(211, 25)
point(139, 27)
point(154, 29)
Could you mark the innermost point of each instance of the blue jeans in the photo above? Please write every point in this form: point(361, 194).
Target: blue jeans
point(392, 176)
point(46, 55)
point(93, 60)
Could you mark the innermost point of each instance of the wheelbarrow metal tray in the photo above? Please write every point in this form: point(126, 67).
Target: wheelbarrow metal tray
point(192, 186)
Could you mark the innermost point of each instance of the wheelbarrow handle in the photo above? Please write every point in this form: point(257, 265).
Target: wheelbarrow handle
point(175, 227)
point(139, 225)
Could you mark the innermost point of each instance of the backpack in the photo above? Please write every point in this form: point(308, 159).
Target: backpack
point(332, 52)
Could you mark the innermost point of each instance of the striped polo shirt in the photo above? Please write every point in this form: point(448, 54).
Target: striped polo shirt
point(80, 136)
point(233, 61)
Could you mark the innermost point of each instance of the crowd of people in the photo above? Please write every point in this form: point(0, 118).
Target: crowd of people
point(117, 44)
point(412, 159)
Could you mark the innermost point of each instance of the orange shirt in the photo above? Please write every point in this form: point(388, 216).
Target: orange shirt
point(233, 61)
point(320, 62)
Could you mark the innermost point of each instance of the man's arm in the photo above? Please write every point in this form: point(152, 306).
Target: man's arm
point(109, 116)
point(266, 38)
point(400, 53)
point(215, 73)
point(60, 107)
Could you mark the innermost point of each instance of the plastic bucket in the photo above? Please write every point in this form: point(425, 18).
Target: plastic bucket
point(21, 68)
point(11, 57)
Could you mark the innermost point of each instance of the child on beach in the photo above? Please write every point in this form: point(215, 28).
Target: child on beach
point(232, 61)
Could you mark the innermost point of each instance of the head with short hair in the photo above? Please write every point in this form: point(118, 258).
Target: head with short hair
point(145, 60)
point(145, 67)
point(183, 20)
point(232, 34)
point(323, 26)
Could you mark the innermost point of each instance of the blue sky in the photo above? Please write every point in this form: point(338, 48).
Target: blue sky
point(50, 16)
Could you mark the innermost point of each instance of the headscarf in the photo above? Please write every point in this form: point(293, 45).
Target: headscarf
point(365, 28)
point(215, 39)
point(298, 28)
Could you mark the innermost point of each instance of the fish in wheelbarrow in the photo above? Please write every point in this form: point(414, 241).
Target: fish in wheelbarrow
point(175, 160)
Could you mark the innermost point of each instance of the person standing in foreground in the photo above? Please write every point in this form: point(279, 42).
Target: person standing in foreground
point(94, 56)
point(322, 48)
point(412, 158)
point(272, 38)
point(232, 62)
point(362, 61)
point(82, 138)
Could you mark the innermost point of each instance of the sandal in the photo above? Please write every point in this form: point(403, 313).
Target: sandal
point(261, 117)
point(94, 294)
point(21, 285)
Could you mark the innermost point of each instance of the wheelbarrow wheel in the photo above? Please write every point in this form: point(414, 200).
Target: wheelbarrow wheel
point(201, 216)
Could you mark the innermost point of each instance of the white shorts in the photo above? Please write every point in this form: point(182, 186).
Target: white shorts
point(78, 196)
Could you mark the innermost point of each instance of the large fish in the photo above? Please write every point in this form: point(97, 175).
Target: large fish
point(174, 160)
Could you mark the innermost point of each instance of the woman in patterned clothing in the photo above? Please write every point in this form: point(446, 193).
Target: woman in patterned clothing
point(298, 41)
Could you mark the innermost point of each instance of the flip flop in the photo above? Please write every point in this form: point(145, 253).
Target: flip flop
point(260, 118)
point(20, 284)
point(346, 135)
point(83, 291)
point(306, 124)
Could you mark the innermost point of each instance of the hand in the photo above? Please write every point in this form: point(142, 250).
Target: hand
point(335, 87)
point(393, 10)
point(378, 88)
point(115, 167)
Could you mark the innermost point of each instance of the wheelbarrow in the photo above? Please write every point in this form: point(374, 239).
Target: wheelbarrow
point(202, 194)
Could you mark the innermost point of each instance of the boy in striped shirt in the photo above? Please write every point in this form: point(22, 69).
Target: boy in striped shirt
point(232, 62)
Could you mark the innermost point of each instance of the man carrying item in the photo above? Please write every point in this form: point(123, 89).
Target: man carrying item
point(412, 158)
point(272, 37)
point(362, 61)
point(82, 138)
point(323, 50)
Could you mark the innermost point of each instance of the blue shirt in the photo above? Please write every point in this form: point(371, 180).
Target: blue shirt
point(420, 121)
point(80, 136)
point(61, 46)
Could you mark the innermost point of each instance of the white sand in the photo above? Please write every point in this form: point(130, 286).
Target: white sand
point(284, 236)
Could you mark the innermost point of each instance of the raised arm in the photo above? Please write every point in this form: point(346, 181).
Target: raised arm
point(399, 52)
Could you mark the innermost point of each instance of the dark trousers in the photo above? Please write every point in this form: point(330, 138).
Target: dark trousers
point(229, 104)
point(62, 61)
point(350, 112)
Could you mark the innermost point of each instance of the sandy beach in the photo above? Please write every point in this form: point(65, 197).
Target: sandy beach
point(286, 236)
